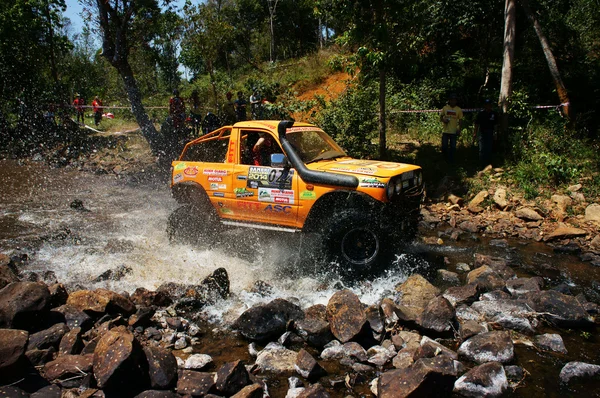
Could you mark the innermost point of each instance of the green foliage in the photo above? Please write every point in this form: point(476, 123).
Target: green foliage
point(352, 120)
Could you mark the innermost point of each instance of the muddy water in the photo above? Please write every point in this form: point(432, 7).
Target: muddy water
point(123, 226)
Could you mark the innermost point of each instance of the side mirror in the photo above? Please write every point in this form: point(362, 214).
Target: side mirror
point(279, 160)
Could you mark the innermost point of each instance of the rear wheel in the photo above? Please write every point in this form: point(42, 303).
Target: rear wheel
point(355, 242)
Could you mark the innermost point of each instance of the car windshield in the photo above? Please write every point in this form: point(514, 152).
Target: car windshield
point(313, 145)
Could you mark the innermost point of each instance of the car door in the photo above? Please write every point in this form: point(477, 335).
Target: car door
point(263, 193)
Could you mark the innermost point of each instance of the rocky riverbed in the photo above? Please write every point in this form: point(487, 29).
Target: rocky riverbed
point(473, 338)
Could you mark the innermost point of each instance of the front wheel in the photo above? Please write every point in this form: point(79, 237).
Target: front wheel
point(356, 243)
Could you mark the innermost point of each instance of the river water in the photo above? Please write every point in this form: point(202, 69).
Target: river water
point(123, 226)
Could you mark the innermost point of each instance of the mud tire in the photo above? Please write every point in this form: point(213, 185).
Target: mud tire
point(355, 242)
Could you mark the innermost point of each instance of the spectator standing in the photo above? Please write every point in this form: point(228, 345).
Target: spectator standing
point(78, 103)
point(256, 105)
point(195, 113)
point(97, 108)
point(177, 110)
point(485, 126)
point(240, 107)
point(451, 117)
point(228, 110)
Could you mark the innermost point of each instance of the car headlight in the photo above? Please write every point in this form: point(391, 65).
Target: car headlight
point(390, 189)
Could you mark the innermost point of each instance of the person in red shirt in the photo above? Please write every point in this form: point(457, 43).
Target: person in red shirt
point(97, 108)
point(78, 103)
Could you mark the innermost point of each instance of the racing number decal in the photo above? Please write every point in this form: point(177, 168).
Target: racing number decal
point(267, 177)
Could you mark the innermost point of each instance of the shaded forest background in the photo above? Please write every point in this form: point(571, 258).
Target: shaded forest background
point(411, 54)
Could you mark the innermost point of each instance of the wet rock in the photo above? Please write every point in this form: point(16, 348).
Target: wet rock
point(500, 198)
point(389, 311)
point(406, 339)
point(485, 278)
point(528, 214)
point(510, 314)
point(333, 350)
point(47, 338)
point(488, 347)
point(475, 203)
point(117, 361)
point(469, 328)
point(307, 366)
point(68, 367)
point(232, 377)
point(51, 391)
point(487, 380)
point(429, 348)
point(40, 357)
point(416, 291)
point(146, 298)
point(379, 355)
point(564, 232)
point(12, 347)
point(100, 301)
point(346, 315)
point(20, 302)
point(403, 360)
point(375, 318)
point(448, 277)
point(578, 371)
point(570, 248)
point(497, 264)
point(592, 212)
point(461, 294)
point(218, 282)
point(77, 204)
point(558, 308)
point(71, 343)
point(314, 391)
point(196, 384)
point(354, 352)
point(550, 342)
point(263, 322)
point(426, 377)
point(314, 331)
point(113, 274)
point(317, 311)
point(75, 318)
point(58, 295)
point(495, 295)
point(519, 286)
point(437, 316)
point(162, 367)
point(7, 276)
point(255, 390)
point(157, 394)
point(463, 267)
point(197, 361)
point(142, 317)
point(276, 358)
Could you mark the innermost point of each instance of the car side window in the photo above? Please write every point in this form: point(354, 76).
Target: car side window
point(211, 151)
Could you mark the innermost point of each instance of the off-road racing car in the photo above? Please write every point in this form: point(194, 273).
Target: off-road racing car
point(293, 177)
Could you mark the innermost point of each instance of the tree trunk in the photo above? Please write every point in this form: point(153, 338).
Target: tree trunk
point(560, 87)
point(507, 65)
point(135, 98)
point(382, 126)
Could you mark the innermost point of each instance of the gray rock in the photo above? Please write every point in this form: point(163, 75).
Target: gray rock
point(573, 371)
point(519, 286)
point(495, 295)
point(487, 380)
point(276, 358)
point(463, 267)
point(492, 346)
point(448, 276)
point(379, 355)
point(197, 361)
point(510, 314)
point(429, 348)
point(550, 342)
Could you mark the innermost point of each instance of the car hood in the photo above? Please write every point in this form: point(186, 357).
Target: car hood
point(374, 168)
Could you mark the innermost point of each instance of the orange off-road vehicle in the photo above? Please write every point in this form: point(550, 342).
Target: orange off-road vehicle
point(293, 177)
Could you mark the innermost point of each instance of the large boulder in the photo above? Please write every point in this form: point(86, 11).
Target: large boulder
point(487, 380)
point(162, 367)
point(426, 377)
point(550, 342)
point(265, 321)
point(475, 205)
point(520, 286)
point(574, 371)
point(346, 315)
point(437, 315)
point(416, 291)
point(119, 361)
point(561, 309)
point(20, 302)
point(12, 347)
point(315, 331)
point(488, 347)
